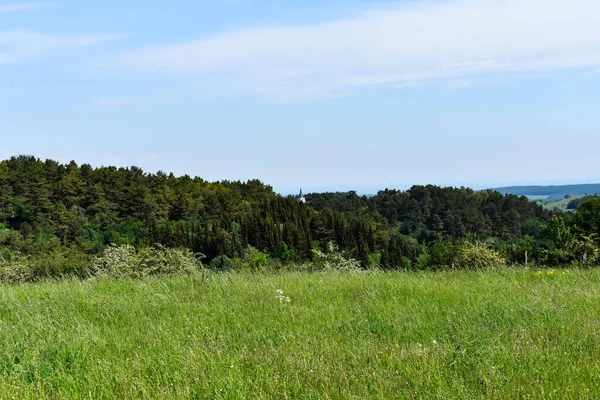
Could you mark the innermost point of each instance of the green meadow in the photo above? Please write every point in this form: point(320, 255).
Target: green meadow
point(499, 333)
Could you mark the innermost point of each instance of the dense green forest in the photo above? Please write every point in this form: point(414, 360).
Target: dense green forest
point(61, 216)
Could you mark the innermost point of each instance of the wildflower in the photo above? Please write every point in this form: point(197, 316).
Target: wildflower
point(282, 297)
point(539, 273)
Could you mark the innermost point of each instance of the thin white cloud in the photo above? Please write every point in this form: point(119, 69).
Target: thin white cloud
point(137, 101)
point(22, 6)
point(17, 46)
point(419, 42)
point(112, 102)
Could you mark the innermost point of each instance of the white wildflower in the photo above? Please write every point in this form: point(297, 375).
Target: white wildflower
point(282, 297)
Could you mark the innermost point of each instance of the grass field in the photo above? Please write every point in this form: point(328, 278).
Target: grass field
point(537, 198)
point(504, 333)
point(560, 205)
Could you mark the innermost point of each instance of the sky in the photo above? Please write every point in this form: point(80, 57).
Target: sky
point(324, 95)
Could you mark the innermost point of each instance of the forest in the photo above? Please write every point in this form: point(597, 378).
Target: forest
point(58, 218)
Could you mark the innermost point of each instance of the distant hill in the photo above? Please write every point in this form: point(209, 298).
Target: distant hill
point(551, 193)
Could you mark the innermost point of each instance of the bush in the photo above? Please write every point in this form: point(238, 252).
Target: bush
point(478, 255)
point(63, 261)
point(374, 260)
point(287, 255)
point(222, 263)
point(125, 262)
point(14, 240)
point(333, 260)
point(449, 253)
point(442, 254)
point(255, 259)
point(167, 261)
point(116, 262)
point(14, 268)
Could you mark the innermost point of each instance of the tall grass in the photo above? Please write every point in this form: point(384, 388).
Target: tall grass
point(504, 333)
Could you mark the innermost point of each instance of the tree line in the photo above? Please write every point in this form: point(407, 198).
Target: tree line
point(77, 211)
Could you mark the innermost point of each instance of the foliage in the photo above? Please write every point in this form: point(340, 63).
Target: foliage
point(575, 203)
point(62, 215)
point(125, 262)
point(255, 259)
point(61, 262)
point(374, 260)
point(442, 254)
point(223, 263)
point(587, 216)
point(451, 253)
point(478, 255)
point(552, 192)
point(287, 255)
point(14, 268)
point(334, 260)
point(116, 262)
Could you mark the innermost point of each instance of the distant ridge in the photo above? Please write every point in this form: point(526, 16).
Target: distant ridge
point(552, 192)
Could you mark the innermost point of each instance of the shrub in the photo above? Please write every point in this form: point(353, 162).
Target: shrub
point(333, 260)
point(478, 255)
point(168, 261)
point(14, 268)
point(406, 263)
point(374, 260)
point(255, 259)
point(442, 254)
point(116, 262)
point(450, 253)
point(61, 262)
point(222, 263)
point(125, 262)
point(13, 239)
point(287, 255)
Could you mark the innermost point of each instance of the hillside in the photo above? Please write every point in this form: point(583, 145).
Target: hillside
point(57, 219)
point(551, 193)
point(48, 206)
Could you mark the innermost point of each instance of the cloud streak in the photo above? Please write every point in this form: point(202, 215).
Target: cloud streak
point(18, 46)
point(24, 6)
point(112, 102)
point(414, 43)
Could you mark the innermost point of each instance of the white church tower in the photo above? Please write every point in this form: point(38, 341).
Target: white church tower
point(301, 197)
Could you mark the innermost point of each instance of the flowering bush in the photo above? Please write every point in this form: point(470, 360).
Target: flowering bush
point(116, 261)
point(125, 262)
point(15, 269)
point(333, 260)
point(478, 255)
point(450, 253)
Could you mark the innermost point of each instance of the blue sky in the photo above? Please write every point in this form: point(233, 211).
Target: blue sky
point(319, 94)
